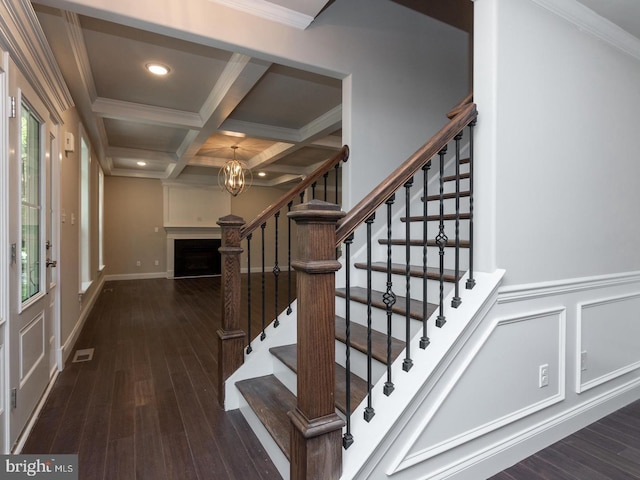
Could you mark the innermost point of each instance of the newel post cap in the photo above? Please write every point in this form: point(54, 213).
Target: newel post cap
point(231, 221)
point(316, 211)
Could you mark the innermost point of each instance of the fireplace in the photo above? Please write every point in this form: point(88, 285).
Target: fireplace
point(196, 257)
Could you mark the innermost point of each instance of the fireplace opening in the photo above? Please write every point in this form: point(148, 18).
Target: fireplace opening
point(196, 257)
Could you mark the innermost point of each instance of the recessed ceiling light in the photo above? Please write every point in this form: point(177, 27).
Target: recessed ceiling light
point(142, 164)
point(157, 68)
point(262, 174)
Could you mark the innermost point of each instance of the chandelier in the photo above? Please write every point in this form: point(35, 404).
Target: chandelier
point(234, 176)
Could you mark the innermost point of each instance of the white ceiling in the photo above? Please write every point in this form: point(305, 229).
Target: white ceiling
point(285, 121)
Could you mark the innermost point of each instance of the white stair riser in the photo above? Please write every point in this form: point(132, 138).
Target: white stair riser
point(378, 318)
point(358, 362)
point(398, 255)
point(433, 228)
point(271, 447)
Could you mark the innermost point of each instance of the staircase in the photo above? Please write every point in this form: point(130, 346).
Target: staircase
point(395, 289)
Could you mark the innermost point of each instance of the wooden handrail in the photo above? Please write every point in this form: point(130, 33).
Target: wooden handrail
point(268, 212)
point(368, 205)
point(458, 108)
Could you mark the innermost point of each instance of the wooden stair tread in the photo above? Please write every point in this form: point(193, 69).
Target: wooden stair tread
point(436, 218)
point(359, 294)
point(358, 338)
point(271, 400)
point(419, 243)
point(414, 271)
point(287, 354)
point(452, 178)
point(446, 196)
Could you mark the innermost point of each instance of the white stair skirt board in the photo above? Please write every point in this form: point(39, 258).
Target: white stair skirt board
point(368, 436)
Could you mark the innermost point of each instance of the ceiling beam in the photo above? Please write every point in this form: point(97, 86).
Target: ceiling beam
point(240, 75)
point(137, 112)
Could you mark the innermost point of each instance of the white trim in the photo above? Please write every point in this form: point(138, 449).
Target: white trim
point(583, 387)
point(119, 109)
point(576, 414)
point(590, 22)
point(135, 276)
point(404, 461)
point(270, 11)
point(517, 293)
point(34, 416)
point(22, 36)
point(66, 349)
point(5, 277)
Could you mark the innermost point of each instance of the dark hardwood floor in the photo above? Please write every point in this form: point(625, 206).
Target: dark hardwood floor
point(146, 407)
point(608, 449)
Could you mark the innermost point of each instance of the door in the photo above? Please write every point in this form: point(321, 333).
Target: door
point(32, 285)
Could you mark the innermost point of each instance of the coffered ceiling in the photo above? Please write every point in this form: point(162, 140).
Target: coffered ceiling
point(182, 125)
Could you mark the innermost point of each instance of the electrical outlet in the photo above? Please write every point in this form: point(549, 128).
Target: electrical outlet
point(583, 360)
point(138, 263)
point(543, 375)
point(157, 262)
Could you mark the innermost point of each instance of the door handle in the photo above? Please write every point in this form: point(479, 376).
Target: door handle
point(52, 263)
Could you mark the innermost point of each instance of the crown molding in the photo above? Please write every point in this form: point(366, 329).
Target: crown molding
point(21, 35)
point(589, 21)
point(269, 11)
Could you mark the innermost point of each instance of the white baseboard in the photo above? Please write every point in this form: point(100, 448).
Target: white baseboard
point(135, 276)
point(34, 416)
point(71, 340)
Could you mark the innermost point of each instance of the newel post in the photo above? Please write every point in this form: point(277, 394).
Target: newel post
point(230, 336)
point(316, 429)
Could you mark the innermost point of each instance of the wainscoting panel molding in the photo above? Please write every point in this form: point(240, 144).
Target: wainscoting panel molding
point(608, 340)
point(502, 378)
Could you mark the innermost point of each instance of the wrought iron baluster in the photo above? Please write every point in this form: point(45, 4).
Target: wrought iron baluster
point(408, 363)
point(263, 335)
point(369, 412)
point(456, 300)
point(313, 190)
point(324, 177)
point(424, 341)
point(441, 240)
point(302, 197)
point(471, 282)
point(276, 274)
point(347, 439)
point(389, 298)
point(249, 348)
point(289, 205)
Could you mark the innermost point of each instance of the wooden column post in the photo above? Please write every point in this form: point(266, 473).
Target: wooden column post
point(230, 337)
point(316, 433)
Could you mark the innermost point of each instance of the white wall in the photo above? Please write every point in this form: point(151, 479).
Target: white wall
point(566, 168)
point(403, 71)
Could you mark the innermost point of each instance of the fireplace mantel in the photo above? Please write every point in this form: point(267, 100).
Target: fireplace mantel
point(186, 233)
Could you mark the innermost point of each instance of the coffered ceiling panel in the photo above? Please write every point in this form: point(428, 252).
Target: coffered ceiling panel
point(182, 126)
point(289, 98)
point(118, 56)
point(126, 134)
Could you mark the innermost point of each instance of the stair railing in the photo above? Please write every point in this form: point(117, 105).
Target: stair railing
point(463, 117)
point(233, 339)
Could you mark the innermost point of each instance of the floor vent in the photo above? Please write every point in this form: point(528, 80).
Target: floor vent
point(85, 355)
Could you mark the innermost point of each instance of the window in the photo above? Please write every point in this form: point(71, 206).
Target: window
point(85, 179)
point(30, 231)
point(100, 218)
